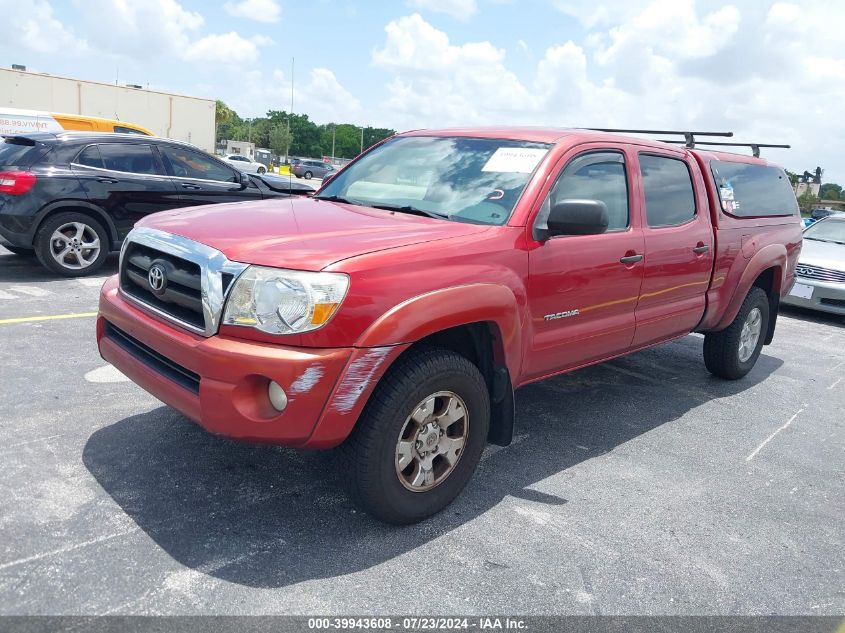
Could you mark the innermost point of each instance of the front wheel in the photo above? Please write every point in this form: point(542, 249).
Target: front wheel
point(420, 437)
point(71, 244)
point(733, 352)
point(308, 175)
point(262, 170)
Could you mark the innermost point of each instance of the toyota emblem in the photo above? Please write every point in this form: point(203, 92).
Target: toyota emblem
point(156, 278)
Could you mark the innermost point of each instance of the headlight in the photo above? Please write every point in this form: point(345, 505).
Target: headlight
point(282, 301)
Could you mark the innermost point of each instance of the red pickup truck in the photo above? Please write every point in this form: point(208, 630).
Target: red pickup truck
point(394, 313)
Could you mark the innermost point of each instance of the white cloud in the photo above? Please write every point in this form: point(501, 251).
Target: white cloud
point(35, 28)
point(768, 73)
point(259, 10)
point(459, 9)
point(226, 48)
point(321, 96)
point(138, 29)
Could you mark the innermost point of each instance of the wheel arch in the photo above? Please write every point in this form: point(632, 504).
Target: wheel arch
point(75, 206)
point(766, 270)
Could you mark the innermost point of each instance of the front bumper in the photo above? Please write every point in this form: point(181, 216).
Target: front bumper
point(827, 296)
point(221, 383)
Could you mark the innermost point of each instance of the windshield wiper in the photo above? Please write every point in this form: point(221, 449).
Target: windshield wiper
point(409, 209)
point(338, 199)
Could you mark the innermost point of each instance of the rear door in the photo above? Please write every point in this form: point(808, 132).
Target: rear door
point(126, 180)
point(583, 289)
point(678, 247)
point(202, 179)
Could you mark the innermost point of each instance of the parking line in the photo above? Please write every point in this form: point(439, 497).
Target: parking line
point(31, 291)
point(52, 317)
point(769, 439)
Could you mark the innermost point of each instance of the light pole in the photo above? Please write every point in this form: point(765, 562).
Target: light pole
point(287, 145)
point(362, 140)
point(334, 129)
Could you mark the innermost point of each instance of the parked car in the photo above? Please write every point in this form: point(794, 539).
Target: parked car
point(822, 212)
point(395, 316)
point(312, 169)
point(239, 161)
point(72, 197)
point(820, 273)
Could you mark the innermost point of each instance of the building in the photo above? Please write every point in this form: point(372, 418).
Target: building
point(245, 148)
point(803, 187)
point(169, 115)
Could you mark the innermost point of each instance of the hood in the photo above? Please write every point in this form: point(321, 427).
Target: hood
point(822, 254)
point(302, 233)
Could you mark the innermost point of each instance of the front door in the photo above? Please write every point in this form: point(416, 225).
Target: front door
point(201, 179)
point(583, 289)
point(678, 248)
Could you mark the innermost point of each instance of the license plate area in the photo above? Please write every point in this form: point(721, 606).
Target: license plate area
point(803, 291)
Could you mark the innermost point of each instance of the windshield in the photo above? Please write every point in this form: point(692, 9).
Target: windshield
point(464, 179)
point(831, 230)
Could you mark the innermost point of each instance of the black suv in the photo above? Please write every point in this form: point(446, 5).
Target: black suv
point(72, 197)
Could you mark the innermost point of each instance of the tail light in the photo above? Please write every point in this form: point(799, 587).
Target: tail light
point(16, 183)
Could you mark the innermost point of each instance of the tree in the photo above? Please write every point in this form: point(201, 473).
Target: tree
point(793, 177)
point(807, 201)
point(830, 191)
point(280, 140)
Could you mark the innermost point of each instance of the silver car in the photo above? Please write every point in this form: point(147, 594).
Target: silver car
point(820, 273)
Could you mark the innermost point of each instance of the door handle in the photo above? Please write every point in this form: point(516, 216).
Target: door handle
point(701, 248)
point(185, 185)
point(631, 259)
point(108, 181)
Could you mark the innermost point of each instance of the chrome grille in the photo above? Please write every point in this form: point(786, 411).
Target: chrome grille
point(189, 283)
point(822, 274)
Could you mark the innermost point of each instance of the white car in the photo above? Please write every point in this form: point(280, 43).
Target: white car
point(239, 161)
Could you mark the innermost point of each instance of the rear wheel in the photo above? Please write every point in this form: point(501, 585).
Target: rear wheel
point(71, 244)
point(420, 437)
point(733, 352)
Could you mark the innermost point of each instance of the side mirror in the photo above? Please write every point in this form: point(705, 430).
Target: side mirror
point(245, 181)
point(577, 217)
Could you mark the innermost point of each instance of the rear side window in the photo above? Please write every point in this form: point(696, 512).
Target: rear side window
point(669, 196)
point(20, 153)
point(122, 129)
point(747, 190)
point(135, 159)
point(90, 157)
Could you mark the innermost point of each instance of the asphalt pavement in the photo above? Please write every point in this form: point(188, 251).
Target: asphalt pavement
point(640, 486)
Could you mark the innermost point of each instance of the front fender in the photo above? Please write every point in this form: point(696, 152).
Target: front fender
point(440, 310)
point(771, 256)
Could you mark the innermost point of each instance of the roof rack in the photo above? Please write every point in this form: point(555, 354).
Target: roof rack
point(755, 147)
point(689, 136)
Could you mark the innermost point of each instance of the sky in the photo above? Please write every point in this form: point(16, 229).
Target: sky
point(768, 71)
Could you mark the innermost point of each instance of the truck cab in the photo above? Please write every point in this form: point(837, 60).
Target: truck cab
point(394, 313)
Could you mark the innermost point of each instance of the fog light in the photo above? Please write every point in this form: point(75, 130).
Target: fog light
point(277, 395)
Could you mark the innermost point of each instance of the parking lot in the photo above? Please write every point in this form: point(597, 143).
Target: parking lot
point(641, 486)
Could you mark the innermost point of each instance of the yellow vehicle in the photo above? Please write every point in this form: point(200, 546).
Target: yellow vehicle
point(15, 121)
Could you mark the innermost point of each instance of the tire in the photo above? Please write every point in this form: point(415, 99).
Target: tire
point(78, 261)
point(308, 175)
point(371, 455)
point(726, 353)
point(23, 251)
point(262, 170)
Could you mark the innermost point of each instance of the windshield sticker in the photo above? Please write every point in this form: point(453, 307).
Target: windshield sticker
point(726, 193)
point(514, 160)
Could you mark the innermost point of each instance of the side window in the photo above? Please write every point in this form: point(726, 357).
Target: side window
point(748, 189)
point(90, 157)
point(594, 176)
point(122, 129)
point(186, 163)
point(669, 196)
point(135, 159)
